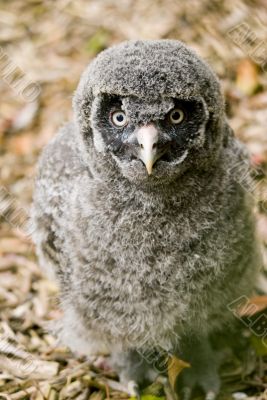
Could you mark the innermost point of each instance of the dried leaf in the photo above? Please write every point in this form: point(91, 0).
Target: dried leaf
point(175, 367)
point(253, 306)
point(247, 79)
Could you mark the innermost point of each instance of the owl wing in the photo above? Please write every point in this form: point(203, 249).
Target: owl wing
point(59, 166)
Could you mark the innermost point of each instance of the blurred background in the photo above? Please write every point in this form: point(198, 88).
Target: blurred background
point(44, 47)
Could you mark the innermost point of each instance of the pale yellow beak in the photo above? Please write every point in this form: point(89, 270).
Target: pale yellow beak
point(147, 137)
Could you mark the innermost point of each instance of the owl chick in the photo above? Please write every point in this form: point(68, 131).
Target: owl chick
point(139, 215)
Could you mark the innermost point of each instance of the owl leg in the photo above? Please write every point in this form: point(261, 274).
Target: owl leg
point(133, 370)
point(203, 373)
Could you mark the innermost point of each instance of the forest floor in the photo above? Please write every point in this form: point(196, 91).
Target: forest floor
point(49, 43)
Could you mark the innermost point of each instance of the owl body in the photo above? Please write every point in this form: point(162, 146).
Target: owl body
point(141, 266)
point(144, 260)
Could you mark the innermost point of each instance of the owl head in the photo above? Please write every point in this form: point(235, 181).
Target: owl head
point(148, 111)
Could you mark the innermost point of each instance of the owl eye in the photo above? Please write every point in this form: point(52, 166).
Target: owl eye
point(176, 116)
point(118, 118)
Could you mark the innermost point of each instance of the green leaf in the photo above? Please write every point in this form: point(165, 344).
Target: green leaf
point(149, 397)
point(259, 345)
point(97, 42)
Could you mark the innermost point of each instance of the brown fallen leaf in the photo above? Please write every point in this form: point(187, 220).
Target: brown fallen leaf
point(247, 79)
point(253, 306)
point(175, 367)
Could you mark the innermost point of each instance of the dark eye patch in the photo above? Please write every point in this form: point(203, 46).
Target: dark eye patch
point(110, 103)
point(190, 108)
point(106, 104)
point(104, 108)
point(193, 111)
point(188, 129)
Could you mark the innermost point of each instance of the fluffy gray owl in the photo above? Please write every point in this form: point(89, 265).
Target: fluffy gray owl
point(139, 217)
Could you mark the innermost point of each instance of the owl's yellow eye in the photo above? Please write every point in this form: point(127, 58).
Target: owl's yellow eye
point(119, 118)
point(176, 116)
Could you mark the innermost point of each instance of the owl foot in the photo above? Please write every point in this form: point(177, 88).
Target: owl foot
point(203, 374)
point(134, 390)
point(133, 370)
point(187, 392)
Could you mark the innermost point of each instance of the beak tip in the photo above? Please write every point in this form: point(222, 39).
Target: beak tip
point(149, 167)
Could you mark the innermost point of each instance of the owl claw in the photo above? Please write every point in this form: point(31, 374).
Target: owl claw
point(210, 395)
point(186, 393)
point(133, 390)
